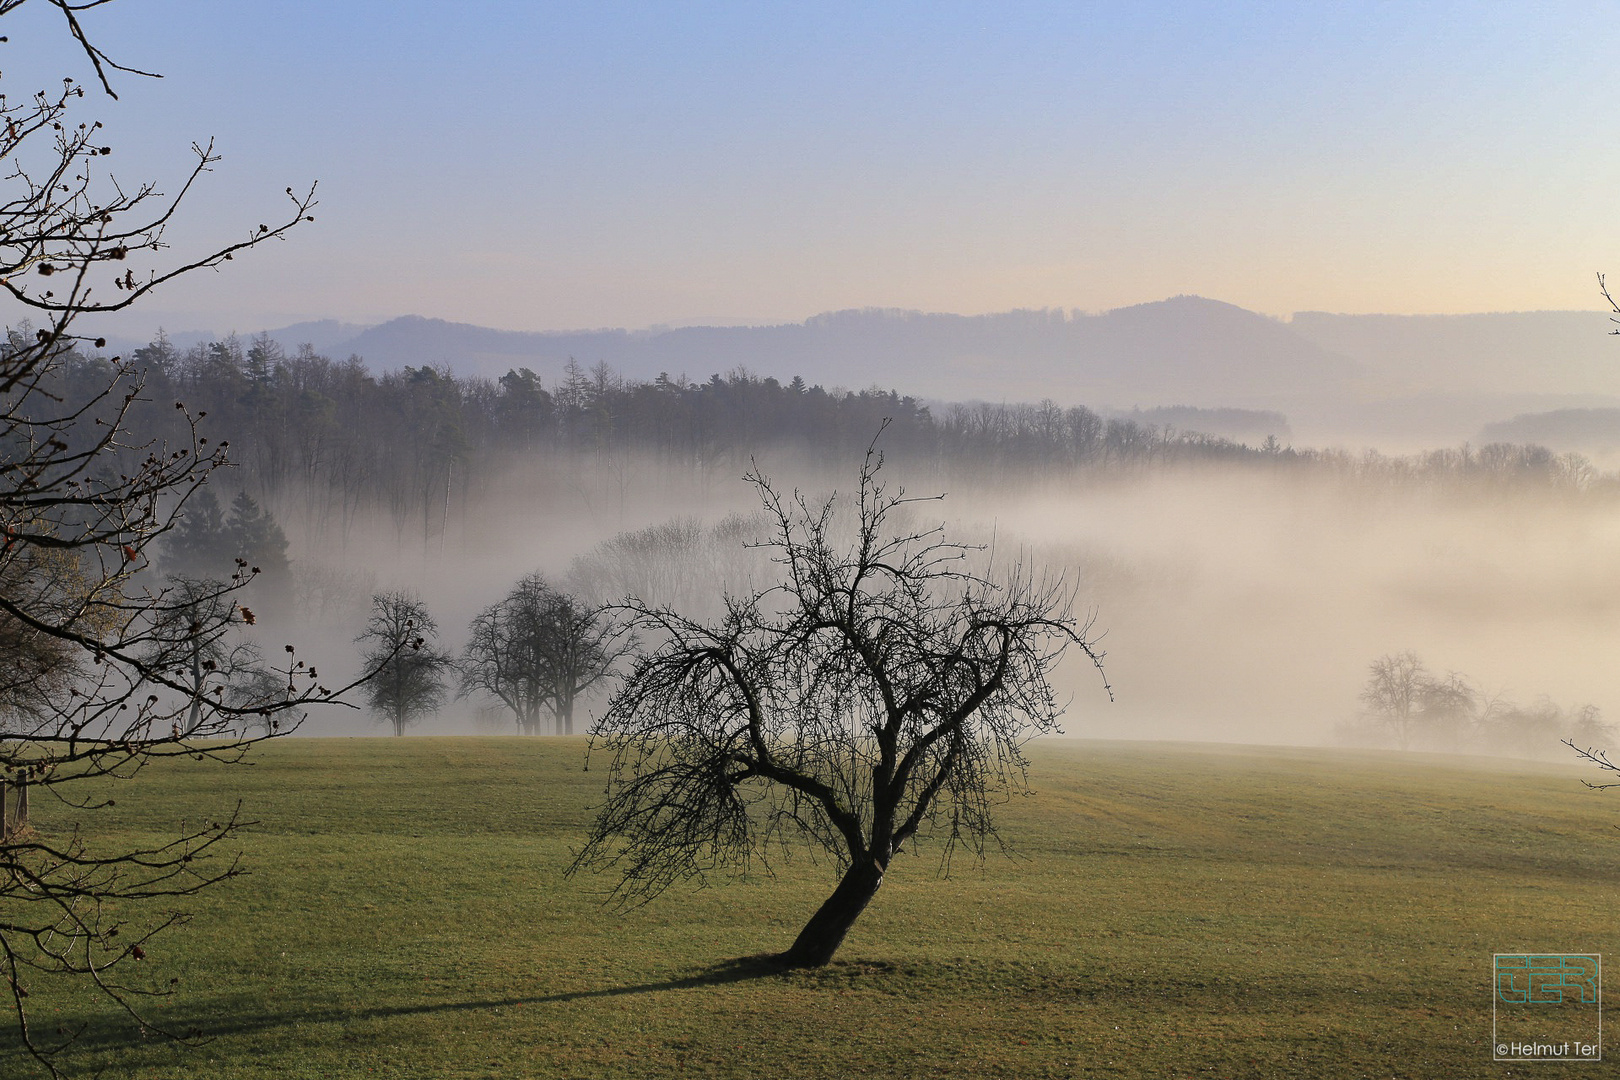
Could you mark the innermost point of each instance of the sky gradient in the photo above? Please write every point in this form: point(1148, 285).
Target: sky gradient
point(540, 166)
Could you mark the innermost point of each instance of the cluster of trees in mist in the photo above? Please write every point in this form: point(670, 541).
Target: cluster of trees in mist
point(1407, 706)
point(530, 658)
point(536, 652)
point(324, 441)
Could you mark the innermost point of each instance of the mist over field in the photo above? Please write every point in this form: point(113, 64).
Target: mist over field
point(1243, 579)
point(1238, 603)
point(1247, 608)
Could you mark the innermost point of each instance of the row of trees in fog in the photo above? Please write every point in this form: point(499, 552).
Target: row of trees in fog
point(323, 441)
point(536, 651)
point(1407, 706)
point(531, 656)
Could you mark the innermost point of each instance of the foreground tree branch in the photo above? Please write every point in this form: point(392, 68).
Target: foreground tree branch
point(104, 667)
point(885, 689)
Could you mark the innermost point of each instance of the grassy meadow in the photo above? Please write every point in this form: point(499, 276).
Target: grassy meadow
point(1170, 911)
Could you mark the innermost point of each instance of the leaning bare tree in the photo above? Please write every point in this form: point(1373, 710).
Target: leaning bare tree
point(97, 672)
point(883, 690)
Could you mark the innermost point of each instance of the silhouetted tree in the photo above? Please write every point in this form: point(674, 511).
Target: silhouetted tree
point(1394, 693)
point(580, 648)
point(193, 636)
point(1588, 728)
point(537, 649)
point(882, 690)
point(411, 673)
point(1446, 708)
point(90, 687)
point(505, 653)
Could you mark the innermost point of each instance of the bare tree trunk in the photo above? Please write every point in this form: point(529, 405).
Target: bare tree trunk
point(22, 804)
point(399, 697)
point(194, 717)
point(5, 824)
point(444, 522)
point(825, 931)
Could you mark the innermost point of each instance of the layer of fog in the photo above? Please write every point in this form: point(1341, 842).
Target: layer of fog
point(1248, 608)
point(1235, 605)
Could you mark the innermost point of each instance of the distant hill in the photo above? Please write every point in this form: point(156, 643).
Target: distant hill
point(1593, 431)
point(1397, 381)
point(1183, 350)
point(326, 336)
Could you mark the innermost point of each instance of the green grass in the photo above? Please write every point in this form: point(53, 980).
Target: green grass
point(1172, 911)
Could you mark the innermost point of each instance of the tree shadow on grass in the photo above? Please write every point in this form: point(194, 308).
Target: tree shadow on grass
point(741, 969)
point(214, 1022)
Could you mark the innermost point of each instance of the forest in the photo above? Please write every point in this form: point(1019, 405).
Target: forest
point(324, 443)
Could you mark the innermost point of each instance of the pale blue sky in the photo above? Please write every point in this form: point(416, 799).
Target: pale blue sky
point(540, 166)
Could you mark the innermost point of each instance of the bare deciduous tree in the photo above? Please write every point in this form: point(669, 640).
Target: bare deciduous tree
point(883, 690)
point(505, 654)
point(93, 688)
point(582, 648)
point(192, 634)
point(1394, 694)
point(1446, 708)
point(538, 649)
point(410, 672)
point(679, 564)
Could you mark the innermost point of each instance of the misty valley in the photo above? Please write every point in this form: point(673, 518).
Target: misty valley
point(1243, 589)
point(787, 606)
